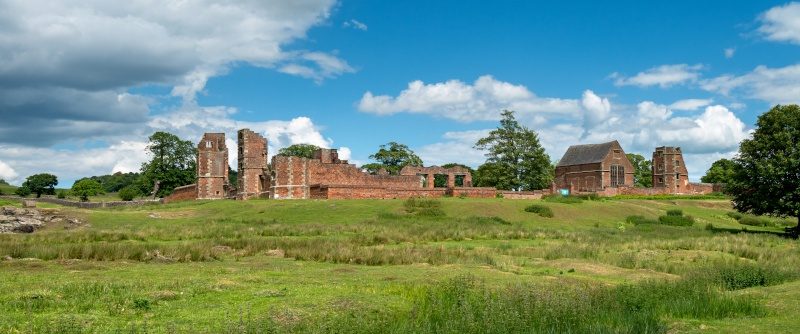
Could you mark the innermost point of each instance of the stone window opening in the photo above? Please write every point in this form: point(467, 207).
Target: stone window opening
point(677, 176)
point(617, 175)
point(661, 180)
point(440, 180)
point(208, 144)
point(459, 180)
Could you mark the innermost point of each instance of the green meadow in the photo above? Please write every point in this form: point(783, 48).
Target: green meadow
point(451, 265)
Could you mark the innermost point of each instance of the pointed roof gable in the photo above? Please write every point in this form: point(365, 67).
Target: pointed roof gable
point(586, 154)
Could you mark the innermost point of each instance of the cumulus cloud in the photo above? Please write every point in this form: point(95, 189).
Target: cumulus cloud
point(781, 23)
point(690, 104)
point(774, 85)
point(454, 99)
point(664, 76)
point(457, 147)
point(65, 68)
point(7, 173)
point(596, 110)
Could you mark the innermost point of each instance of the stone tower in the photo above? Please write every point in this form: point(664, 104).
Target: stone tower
point(669, 170)
point(253, 179)
point(212, 167)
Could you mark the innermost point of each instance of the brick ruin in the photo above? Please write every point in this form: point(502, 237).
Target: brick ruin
point(212, 167)
point(594, 168)
point(324, 176)
point(253, 172)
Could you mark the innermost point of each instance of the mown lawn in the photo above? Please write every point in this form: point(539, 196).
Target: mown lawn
point(374, 266)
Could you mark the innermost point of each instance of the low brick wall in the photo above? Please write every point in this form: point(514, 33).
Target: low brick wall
point(371, 192)
point(86, 205)
point(473, 192)
point(536, 194)
point(183, 193)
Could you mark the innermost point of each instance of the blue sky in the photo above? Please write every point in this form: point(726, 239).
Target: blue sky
point(95, 79)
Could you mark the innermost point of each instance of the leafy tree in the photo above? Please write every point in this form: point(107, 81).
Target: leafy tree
point(721, 171)
point(521, 162)
point(372, 168)
point(22, 191)
point(233, 177)
point(394, 156)
point(43, 183)
point(642, 170)
point(173, 164)
point(3, 183)
point(129, 193)
point(114, 182)
point(766, 177)
point(299, 150)
point(85, 188)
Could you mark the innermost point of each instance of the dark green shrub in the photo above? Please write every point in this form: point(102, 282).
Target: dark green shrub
point(424, 207)
point(676, 220)
point(741, 275)
point(562, 199)
point(588, 197)
point(128, 193)
point(485, 220)
point(22, 191)
point(141, 304)
point(753, 221)
point(61, 194)
point(541, 210)
point(735, 215)
point(675, 212)
point(639, 220)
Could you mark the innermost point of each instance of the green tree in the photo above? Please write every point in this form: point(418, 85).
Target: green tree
point(520, 160)
point(129, 193)
point(372, 167)
point(3, 182)
point(394, 156)
point(173, 164)
point(43, 183)
point(299, 150)
point(642, 170)
point(85, 188)
point(721, 171)
point(114, 182)
point(22, 191)
point(766, 177)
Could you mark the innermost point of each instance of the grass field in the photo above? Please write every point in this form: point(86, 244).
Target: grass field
point(388, 266)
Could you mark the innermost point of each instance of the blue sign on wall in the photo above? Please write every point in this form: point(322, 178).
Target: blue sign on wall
point(564, 192)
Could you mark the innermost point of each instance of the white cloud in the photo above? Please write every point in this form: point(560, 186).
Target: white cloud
point(355, 24)
point(690, 104)
point(781, 23)
point(729, 52)
point(663, 76)
point(454, 99)
point(596, 110)
point(72, 63)
point(774, 85)
point(457, 148)
point(7, 173)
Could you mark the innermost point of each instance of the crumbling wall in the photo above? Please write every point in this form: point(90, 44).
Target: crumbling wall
point(212, 167)
point(184, 193)
point(669, 170)
point(253, 175)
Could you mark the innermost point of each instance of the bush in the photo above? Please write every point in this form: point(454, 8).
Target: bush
point(676, 220)
point(541, 210)
point(85, 188)
point(753, 221)
point(589, 197)
point(675, 212)
point(22, 191)
point(639, 220)
point(741, 275)
point(61, 194)
point(562, 199)
point(424, 207)
point(735, 215)
point(128, 193)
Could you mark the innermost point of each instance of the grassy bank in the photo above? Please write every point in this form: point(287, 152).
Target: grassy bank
point(452, 265)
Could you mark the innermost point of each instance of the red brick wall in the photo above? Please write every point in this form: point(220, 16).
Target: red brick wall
point(184, 193)
point(212, 166)
point(473, 192)
point(252, 153)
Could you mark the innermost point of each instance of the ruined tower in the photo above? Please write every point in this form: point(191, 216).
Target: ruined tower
point(212, 167)
point(669, 170)
point(253, 179)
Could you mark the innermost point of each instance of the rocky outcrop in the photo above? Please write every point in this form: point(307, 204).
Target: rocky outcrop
point(19, 220)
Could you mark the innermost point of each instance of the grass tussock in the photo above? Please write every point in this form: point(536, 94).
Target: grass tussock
point(424, 207)
point(541, 210)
